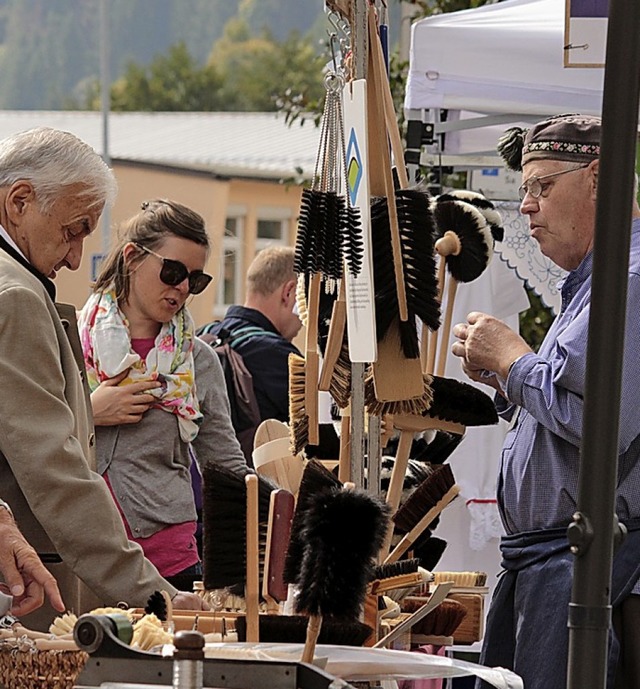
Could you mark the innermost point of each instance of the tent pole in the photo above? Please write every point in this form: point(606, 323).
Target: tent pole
point(595, 529)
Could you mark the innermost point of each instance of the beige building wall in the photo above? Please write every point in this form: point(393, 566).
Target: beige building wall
point(257, 206)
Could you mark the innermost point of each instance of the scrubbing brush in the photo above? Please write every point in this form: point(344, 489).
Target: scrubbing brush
point(225, 525)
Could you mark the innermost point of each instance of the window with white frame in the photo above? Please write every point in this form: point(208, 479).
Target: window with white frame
point(231, 277)
point(272, 227)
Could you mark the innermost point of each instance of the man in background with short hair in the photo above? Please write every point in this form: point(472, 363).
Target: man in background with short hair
point(269, 310)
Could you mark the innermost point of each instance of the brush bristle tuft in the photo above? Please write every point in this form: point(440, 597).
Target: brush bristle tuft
point(342, 532)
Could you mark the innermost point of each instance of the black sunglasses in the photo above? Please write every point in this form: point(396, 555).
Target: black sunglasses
point(174, 272)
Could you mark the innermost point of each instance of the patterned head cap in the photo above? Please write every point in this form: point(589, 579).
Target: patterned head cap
point(572, 138)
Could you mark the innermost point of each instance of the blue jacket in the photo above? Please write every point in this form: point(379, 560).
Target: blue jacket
point(266, 357)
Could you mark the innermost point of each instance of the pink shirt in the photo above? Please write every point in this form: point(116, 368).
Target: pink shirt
point(174, 547)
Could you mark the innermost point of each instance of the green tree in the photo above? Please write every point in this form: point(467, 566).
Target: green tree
point(171, 83)
point(255, 70)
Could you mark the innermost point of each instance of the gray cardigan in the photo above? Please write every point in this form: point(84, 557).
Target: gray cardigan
point(148, 462)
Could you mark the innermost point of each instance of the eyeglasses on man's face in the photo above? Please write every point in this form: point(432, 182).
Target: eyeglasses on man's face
point(535, 185)
point(174, 272)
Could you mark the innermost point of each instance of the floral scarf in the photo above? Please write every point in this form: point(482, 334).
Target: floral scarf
point(106, 343)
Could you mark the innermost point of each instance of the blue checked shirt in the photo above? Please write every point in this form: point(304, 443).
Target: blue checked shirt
point(538, 482)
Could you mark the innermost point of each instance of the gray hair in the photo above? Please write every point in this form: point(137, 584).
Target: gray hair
point(53, 160)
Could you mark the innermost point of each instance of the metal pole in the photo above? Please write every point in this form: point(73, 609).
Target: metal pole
point(359, 44)
point(105, 103)
point(594, 528)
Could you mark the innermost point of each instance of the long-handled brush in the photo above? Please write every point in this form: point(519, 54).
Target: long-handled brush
point(483, 204)
point(465, 249)
point(422, 507)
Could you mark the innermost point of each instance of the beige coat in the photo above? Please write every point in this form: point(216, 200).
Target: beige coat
point(47, 457)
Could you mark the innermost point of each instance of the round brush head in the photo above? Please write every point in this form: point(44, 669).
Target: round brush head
point(472, 247)
point(482, 203)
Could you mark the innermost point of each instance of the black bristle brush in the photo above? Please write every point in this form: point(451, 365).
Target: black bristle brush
point(440, 448)
point(429, 550)
point(224, 500)
point(293, 629)
point(482, 203)
point(459, 402)
point(342, 532)
point(316, 478)
point(422, 507)
point(417, 243)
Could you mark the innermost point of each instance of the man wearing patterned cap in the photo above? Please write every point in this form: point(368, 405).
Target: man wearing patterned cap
point(541, 395)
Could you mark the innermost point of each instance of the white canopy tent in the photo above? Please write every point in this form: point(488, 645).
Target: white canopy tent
point(492, 66)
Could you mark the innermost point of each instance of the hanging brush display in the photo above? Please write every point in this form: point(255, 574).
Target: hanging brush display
point(328, 233)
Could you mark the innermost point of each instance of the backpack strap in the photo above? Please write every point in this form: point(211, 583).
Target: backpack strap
point(243, 334)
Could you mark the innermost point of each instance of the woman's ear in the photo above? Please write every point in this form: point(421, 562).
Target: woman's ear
point(129, 252)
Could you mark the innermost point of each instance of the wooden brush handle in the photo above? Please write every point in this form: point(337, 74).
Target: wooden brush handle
point(281, 507)
point(253, 566)
point(334, 341)
point(446, 326)
point(312, 360)
point(378, 82)
point(313, 632)
point(396, 483)
point(449, 244)
point(344, 461)
point(433, 335)
point(439, 594)
point(410, 538)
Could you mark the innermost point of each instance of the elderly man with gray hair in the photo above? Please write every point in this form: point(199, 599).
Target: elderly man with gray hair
point(541, 394)
point(53, 188)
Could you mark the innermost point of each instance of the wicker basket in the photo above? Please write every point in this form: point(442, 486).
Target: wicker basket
point(22, 667)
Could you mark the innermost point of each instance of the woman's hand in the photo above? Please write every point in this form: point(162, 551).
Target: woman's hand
point(115, 404)
point(189, 601)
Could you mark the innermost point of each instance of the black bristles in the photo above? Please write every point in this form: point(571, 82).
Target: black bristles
point(429, 551)
point(343, 531)
point(461, 403)
point(157, 605)
point(308, 228)
point(416, 227)
point(471, 228)
point(316, 478)
point(440, 448)
point(395, 569)
point(353, 242)
point(510, 146)
point(293, 629)
point(423, 498)
point(224, 500)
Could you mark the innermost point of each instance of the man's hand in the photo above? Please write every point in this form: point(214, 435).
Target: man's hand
point(115, 404)
point(486, 344)
point(26, 578)
point(189, 601)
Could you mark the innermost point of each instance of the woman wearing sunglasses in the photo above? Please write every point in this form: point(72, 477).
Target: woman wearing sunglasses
point(156, 389)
